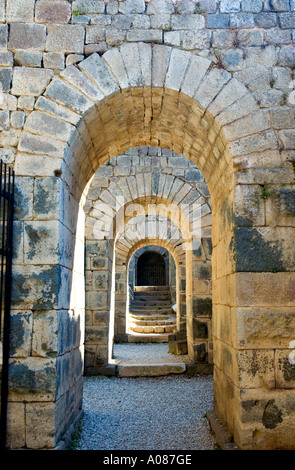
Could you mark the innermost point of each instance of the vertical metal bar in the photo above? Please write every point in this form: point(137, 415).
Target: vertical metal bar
point(1, 172)
point(8, 238)
point(3, 197)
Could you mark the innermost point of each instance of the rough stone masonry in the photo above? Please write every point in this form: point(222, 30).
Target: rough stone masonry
point(81, 83)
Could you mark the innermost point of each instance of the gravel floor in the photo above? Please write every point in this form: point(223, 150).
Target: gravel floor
point(146, 413)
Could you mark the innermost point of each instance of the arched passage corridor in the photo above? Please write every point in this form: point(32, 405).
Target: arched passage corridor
point(144, 95)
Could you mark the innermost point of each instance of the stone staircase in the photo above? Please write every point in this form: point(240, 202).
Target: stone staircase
point(151, 313)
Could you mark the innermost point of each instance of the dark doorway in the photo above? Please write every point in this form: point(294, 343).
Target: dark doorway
point(151, 269)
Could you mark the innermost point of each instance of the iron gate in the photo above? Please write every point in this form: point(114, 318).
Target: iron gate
point(6, 228)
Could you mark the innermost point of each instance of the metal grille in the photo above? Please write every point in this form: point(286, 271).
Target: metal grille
point(6, 228)
point(151, 270)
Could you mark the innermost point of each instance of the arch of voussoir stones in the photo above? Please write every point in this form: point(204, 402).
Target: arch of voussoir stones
point(183, 239)
point(125, 195)
point(143, 94)
point(169, 263)
point(126, 246)
point(151, 229)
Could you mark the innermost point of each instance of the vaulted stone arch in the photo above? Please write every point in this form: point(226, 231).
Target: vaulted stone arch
point(172, 239)
point(142, 94)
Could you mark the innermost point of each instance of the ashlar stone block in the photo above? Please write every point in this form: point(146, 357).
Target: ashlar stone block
point(32, 379)
point(46, 197)
point(30, 81)
point(40, 431)
point(132, 6)
point(52, 12)
point(67, 95)
point(27, 36)
point(65, 38)
point(44, 338)
point(89, 7)
point(20, 10)
point(5, 79)
point(77, 78)
point(177, 66)
point(44, 124)
point(16, 427)
point(229, 6)
point(41, 242)
point(155, 7)
point(160, 62)
point(95, 68)
point(21, 325)
point(115, 62)
point(44, 104)
point(210, 87)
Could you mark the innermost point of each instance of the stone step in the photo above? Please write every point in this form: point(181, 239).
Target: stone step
point(151, 288)
point(169, 328)
point(153, 293)
point(152, 298)
point(150, 370)
point(147, 338)
point(159, 322)
point(151, 312)
point(152, 303)
point(141, 317)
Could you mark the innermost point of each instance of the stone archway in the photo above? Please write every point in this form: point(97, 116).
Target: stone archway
point(139, 95)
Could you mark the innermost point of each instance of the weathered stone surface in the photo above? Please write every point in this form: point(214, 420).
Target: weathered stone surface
point(18, 119)
point(21, 325)
point(266, 20)
point(145, 35)
point(91, 6)
point(159, 6)
point(4, 120)
point(28, 59)
point(229, 6)
point(46, 196)
point(5, 79)
point(40, 242)
point(30, 81)
point(264, 327)
point(67, 95)
point(45, 124)
point(65, 38)
point(27, 36)
point(132, 6)
point(20, 10)
point(32, 378)
point(16, 427)
point(52, 12)
point(44, 104)
point(41, 433)
point(287, 56)
point(96, 68)
point(209, 88)
point(44, 339)
point(116, 65)
point(287, 20)
point(196, 40)
point(252, 6)
point(191, 22)
point(178, 63)
point(217, 21)
point(54, 60)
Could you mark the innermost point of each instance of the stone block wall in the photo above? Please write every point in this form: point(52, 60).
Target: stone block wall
point(124, 176)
